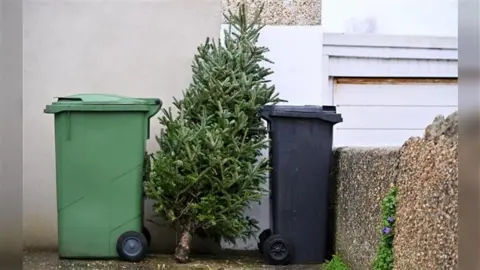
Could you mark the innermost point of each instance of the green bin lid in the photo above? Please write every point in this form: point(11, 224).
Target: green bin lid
point(103, 102)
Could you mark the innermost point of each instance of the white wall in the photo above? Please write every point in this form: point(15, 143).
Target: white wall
point(297, 53)
point(133, 48)
point(391, 17)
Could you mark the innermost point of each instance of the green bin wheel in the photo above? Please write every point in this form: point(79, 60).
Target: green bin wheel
point(132, 246)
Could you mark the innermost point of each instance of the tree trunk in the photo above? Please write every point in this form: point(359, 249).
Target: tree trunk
point(183, 247)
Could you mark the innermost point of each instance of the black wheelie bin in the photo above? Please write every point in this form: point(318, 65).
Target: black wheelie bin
point(300, 156)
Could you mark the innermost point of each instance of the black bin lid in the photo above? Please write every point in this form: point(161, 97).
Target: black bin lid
point(325, 113)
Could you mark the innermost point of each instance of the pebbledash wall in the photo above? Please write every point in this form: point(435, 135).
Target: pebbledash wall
point(425, 171)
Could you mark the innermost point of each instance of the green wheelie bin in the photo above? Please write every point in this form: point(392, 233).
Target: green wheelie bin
point(100, 148)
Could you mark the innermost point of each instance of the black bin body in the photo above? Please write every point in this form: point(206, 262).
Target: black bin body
point(300, 155)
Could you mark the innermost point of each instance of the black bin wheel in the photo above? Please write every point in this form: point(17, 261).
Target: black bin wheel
point(261, 239)
point(147, 235)
point(277, 250)
point(132, 246)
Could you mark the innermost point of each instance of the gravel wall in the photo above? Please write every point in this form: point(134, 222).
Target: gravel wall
point(426, 172)
point(281, 12)
point(362, 177)
point(427, 212)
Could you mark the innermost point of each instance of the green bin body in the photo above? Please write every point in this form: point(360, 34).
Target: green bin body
point(99, 145)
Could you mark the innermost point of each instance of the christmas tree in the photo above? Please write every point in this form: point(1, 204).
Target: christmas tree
point(209, 169)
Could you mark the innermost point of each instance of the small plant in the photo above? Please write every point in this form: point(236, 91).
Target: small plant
point(336, 263)
point(384, 258)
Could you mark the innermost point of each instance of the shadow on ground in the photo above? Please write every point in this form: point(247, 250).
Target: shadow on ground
point(34, 260)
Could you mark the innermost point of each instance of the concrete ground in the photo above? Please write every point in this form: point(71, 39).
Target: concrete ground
point(35, 260)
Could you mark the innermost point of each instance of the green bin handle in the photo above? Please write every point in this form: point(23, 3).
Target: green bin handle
point(155, 105)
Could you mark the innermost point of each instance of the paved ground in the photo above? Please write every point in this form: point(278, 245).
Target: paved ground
point(49, 260)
